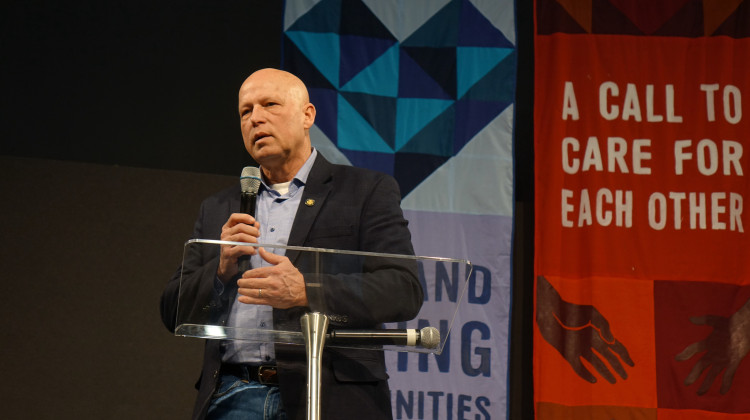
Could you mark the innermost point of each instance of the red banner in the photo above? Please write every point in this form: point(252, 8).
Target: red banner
point(642, 249)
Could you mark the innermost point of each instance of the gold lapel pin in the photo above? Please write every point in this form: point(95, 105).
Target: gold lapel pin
point(309, 202)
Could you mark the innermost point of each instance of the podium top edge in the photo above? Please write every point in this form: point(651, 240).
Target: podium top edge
point(328, 251)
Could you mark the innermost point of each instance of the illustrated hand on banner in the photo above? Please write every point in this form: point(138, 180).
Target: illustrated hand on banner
point(576, 331)
point(726, 346)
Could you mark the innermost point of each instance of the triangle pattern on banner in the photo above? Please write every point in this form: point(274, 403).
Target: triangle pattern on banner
point(414, 82)
point(440, 31)
point(475, 115)
point(295, 59)
point(475, 30)
point(716, 12)
point(394, 105)
point(497, 84)
point(402, 25)
point(607, 19)
point(438, 63)
point(552, 18)
point(686, 22)
point(358, 52)
point(294, 10)
point(357, 133)
point(366, 23)
point(325, 101)
point(580, 11)
point(323, 17)
point(325, 146)
point(649, 15)
point(436, 138)
point(413, 114)
point(322, 49)
point(410, 169)
point(736, 25)
point(497, 13)
point(382, 162)
point(378, 111)
point(380, 77)
point(488, 151)
point(473, 63)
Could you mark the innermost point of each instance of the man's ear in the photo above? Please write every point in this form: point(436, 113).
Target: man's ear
point(309, 112)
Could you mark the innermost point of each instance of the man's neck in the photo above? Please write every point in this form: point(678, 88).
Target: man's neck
point(284, 172)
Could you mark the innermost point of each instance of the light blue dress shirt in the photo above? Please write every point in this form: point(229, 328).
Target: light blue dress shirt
point(275, 212)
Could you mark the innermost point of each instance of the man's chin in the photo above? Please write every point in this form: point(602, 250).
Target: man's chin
point(265, 155)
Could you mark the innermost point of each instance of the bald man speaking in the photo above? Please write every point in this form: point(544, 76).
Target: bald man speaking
point(354, 209)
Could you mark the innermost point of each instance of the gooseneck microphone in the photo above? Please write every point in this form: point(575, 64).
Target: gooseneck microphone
point(427, 337)
point(250, 184)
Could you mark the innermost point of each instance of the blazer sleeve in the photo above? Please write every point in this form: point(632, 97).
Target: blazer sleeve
point(193, 285)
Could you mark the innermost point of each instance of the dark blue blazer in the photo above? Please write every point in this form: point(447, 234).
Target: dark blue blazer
point(354, 209)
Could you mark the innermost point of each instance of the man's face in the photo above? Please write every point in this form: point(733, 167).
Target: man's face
point(274, 117)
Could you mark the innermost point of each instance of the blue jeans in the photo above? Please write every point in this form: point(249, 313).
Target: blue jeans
point(240, 399)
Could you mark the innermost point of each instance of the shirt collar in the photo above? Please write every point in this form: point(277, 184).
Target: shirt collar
point(300, 178)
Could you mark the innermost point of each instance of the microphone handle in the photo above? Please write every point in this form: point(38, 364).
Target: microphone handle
point(247, 206)
point(376, 337)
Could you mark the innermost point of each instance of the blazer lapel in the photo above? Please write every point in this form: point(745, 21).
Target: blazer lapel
point(316, 191)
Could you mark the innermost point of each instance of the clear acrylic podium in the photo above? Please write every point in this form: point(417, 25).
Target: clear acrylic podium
point(349, 295)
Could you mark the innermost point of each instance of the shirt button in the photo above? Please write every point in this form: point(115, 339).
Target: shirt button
point(263, 324)
point(273, 229)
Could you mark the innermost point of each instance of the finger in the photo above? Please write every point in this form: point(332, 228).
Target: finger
point(691, 351)
point(234, 252)
point(614, 362)
point(696, 372)
point(581, 370)
point(270, 257)
point(255, 295)
point(254, 283)
point(601, 368)
point(240, 233)
point(709, 379)
point(705, 319)
point(252, 300)
point(236, 218)
point(726, 382)
point(620, 349)
point(259, 272)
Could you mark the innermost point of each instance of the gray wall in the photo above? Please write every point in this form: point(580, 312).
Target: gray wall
point(86, 251)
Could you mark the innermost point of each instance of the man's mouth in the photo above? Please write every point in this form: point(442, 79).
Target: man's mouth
point(260, 136)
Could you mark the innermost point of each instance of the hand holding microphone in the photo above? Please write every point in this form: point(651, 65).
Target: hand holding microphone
point(240, 227)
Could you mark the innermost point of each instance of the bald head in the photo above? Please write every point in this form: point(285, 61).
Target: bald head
point(280, 79)
point(275, 118)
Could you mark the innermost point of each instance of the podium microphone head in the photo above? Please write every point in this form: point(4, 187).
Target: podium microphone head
point(250, 180)
point(429, 337)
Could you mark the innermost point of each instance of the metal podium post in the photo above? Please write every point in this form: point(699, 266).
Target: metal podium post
point(314, 326)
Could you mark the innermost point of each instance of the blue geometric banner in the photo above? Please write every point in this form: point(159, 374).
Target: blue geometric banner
point(423, 90)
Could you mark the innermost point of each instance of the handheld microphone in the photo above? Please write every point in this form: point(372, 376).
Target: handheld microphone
point(250, 184)
point(427, 337)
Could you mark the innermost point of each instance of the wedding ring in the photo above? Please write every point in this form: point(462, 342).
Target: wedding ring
point(259, 293)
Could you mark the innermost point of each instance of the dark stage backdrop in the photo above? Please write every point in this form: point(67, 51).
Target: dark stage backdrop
point(116, 119)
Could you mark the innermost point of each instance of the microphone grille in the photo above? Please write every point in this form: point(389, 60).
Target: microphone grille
point(250, 179)
point(429, 337)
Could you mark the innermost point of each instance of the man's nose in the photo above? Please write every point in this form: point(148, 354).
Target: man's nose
point(257, 116)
